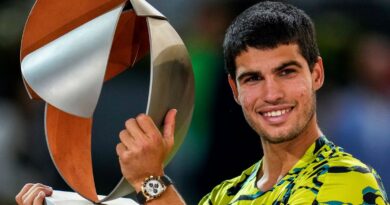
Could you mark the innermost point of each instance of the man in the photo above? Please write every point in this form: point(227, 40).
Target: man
point(274, 70)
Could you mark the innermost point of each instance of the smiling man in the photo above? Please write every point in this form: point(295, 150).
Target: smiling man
point(274, 70)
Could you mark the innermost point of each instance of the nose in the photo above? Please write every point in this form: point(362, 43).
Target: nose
point(273, 91)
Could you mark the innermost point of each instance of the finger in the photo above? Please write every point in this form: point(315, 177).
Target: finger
point(134, 129)
point(39, 198)
point(126, 138)
point(169, 123)
point(29, 197)
point(120, 149)
point(147, 125)
point(22, 192)
point(32, 189)
point(169, 127)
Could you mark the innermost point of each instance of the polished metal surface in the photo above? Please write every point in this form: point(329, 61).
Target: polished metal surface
point(68, 72)
point(143, 8)
point(172, 79)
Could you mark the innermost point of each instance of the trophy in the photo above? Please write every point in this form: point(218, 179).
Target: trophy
point(69, 49)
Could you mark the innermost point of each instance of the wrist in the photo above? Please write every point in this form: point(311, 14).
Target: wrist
point(139, 181)
point(153, 187)
point(138, 185)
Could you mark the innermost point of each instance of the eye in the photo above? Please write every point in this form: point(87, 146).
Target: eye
point(252, 78)
point(287, 72)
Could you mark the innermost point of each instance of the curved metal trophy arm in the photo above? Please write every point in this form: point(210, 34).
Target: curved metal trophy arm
point(172, 78)
point(143, 8)
point(73, 65)
point(49, 21)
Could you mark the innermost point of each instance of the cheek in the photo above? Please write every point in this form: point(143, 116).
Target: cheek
point(301, 89)
point(304, 93)
point(248, 99)
point(299, 92)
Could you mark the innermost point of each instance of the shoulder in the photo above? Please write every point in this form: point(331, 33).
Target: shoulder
point(225, 191)
point(336, 177)
point(342, 173)
point(340, 165)
point(359, 182)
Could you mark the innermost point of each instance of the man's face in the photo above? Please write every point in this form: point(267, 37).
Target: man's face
point(276, 91)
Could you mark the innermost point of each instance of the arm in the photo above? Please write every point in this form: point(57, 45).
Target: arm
point(142, 152)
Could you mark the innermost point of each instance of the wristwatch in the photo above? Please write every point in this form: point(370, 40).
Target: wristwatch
point(152, 188)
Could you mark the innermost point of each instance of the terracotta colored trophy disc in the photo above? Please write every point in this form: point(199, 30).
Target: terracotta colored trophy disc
point(70, 48)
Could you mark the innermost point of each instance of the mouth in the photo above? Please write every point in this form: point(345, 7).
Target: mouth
point(276, 113)
point(275, 116)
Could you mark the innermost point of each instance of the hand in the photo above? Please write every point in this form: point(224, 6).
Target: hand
point(144, 148)
point(33, 194)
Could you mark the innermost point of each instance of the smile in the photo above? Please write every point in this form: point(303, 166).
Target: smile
point(276, 113)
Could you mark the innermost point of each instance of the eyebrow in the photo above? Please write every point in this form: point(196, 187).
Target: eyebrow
point(286, 64)
point(248, 73)
point(274, 70)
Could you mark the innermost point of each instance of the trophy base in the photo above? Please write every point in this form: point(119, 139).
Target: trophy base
point(72, 198)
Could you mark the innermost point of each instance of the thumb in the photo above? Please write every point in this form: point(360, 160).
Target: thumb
point(169, 125)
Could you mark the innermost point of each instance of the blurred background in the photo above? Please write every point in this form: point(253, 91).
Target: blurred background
point(353, 106)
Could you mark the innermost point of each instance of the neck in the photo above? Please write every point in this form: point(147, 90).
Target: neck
point(280, 158)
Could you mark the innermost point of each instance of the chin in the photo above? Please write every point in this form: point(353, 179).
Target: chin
point(278, 138)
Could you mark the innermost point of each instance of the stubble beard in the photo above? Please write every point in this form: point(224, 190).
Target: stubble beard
point(294, 133)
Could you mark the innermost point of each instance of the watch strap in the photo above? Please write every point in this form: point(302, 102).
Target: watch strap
point(166, 180)
point(141, 198)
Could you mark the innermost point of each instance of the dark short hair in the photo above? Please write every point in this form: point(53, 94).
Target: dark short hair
point(267, 25)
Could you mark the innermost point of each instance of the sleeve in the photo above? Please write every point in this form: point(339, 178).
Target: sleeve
point(206, 200)
point(340, 184)
point(351, 185)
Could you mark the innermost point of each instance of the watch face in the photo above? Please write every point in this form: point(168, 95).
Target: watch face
point(153, 187)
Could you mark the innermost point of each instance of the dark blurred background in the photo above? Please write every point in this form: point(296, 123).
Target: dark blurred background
point(353, 106)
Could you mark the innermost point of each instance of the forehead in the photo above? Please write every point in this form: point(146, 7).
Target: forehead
point(263, 60)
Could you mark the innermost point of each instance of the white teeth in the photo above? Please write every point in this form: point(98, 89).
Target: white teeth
point(276, 113)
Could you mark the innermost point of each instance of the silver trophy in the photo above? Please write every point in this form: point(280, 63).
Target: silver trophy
point(69, 49)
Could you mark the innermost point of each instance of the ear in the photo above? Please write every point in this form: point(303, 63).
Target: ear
point(318, 74)
point(233, 86)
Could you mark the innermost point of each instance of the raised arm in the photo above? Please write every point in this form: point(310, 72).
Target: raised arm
point(142, 152)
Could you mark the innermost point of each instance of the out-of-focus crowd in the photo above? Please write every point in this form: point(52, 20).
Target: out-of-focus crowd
point(353, 107)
